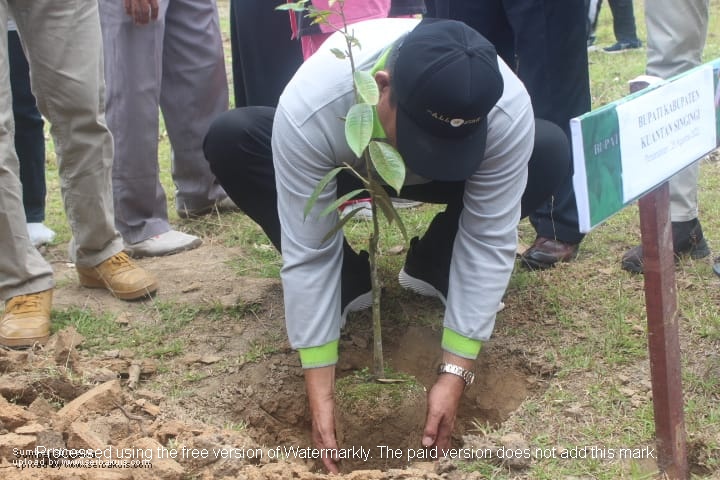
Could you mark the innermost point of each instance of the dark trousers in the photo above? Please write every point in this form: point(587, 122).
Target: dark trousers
point(29, 136)
point(545, 42)
point(238, 149)
point(592, 7)
point(623, 20)
point(264, 57)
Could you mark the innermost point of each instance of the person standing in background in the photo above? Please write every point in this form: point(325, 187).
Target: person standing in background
point(623, 24)
point(67, 80)
point(29, 141)
point(162, 55)
point(545, 43)
point(264, 54)
point(676, 33)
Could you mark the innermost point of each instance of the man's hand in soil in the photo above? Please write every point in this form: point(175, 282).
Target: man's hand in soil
point(142, 11)
point(320, 385)
point(443, 401)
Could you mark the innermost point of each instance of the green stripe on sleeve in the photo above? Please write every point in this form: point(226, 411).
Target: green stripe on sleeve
point(460, 345)
point(322, 356)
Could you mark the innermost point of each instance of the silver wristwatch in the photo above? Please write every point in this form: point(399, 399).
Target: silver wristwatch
point(466, 375)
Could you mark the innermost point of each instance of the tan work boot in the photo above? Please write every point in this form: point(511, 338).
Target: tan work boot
point(121, 276)
point(26, 320)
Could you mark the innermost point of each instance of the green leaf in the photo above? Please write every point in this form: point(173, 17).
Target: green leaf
point(336, 204)
point(384, 204)
point(319, 16)
point(359, 127)
point(319, 188)
point(388, 164)
point(298, 6)
point(338, 53)
point(366, 86)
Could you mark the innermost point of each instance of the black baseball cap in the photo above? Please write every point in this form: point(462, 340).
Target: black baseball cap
point(446, 80)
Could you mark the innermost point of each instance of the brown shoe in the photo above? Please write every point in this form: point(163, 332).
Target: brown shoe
point(26, 320)
point(546, 252)
point(121, 276)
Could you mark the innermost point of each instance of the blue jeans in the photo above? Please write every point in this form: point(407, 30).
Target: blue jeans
point(29, 137)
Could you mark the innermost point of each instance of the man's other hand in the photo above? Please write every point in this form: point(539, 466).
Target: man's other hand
point(443, 401)
point(142, 11)
point(320, 385)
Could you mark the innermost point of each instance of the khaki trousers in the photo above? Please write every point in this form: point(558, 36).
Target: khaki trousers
point(63, 45)
point(676, 34)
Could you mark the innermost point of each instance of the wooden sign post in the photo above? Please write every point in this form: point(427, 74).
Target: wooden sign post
point(663, 339)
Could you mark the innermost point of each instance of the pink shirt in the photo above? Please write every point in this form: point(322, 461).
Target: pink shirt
point(354, 12)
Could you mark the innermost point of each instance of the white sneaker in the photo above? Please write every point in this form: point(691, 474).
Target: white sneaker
point(166, 243)
point(39, 234)
point(362, 204)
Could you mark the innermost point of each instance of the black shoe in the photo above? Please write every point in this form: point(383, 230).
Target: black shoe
point(356, 288)
point(424, 276)
point(687, 238)
point(623, 46)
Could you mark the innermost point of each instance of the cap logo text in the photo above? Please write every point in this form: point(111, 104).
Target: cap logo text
point(454, 122)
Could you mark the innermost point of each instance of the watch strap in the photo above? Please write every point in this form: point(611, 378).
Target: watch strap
point(467, 375)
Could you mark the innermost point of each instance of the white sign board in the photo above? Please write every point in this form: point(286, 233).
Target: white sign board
point(626, 148)
point(666, 130)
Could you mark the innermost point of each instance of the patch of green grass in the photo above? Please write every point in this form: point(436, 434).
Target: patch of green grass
point(240, 426)
point(257, 351)
point(194, 376)
point(179, 391)
point(487, 470)
point(94, 327)
point(260, 348)
point(218, 312)
point(172, 348)
point(362, 391)
point(620, 344)
point(576, 357)
point(173, 316)
point(259, 257)
point(157, 337)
